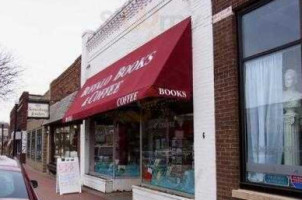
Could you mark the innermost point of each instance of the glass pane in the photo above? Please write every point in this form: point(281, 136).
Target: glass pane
point(127, 146)
point(33, 145)
point(74, 134)
point(39, 145)
point(270, 26)
point(273, 93)
point(102, 150)
point(57, 142)
point(168, 146)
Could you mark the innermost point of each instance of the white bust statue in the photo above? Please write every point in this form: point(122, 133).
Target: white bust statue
point(292, 117)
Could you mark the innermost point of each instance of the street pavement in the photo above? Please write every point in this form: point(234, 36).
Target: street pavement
point(47, 189)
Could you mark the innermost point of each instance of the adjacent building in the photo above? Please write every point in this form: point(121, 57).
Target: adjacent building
point(4, 137)
point(63, 139)
point(257, 68)
point(36, 149)
point(29, 109)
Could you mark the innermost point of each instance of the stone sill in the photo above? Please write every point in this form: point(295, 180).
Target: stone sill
point(252, 195)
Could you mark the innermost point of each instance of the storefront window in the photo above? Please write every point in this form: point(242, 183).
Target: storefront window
point(127, 149)
point(115, 146)
point(28, 144)
point(33, 145)
point(103, 150)
point(272, 96)
point(39, 145)
point(66, 141)
point(168, 146)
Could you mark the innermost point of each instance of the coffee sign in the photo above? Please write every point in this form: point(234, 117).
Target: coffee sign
point(38, 110)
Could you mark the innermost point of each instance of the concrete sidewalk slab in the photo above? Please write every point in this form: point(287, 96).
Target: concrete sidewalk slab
point(47, 189)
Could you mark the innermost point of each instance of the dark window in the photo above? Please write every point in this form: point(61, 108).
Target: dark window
point(270, 26)
point(39, 145)
point(33, 145)
point(272, 94)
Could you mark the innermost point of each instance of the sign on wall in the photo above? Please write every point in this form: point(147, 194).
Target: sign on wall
point(68, 176)
point(38, 110)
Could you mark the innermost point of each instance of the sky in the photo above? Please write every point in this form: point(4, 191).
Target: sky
point(45, 38)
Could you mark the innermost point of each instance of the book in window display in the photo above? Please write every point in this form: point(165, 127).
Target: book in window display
point(168, 163)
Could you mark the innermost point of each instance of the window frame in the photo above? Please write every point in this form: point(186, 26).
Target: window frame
point(39, 131)
point(242, 113)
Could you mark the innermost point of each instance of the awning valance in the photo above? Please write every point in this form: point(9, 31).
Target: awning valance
point(160, 68)
point(58, 110)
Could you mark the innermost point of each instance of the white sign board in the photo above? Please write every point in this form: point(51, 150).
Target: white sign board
point(38, 110)
point(68, 176)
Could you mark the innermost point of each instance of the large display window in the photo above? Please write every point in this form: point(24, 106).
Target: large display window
point(167, 145)
point(65, 141)
point(271, 75)
point(115, 145)
point(155, 136)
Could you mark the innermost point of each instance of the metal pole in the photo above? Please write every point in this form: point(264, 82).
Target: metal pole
point(2, 139)
point(15, 130)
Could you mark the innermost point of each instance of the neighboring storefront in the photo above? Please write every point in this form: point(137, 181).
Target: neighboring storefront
point(36, 145)
point(139, 127)
point(27, 113)
point(38, 112)
point(258, 99)
point(63, 139)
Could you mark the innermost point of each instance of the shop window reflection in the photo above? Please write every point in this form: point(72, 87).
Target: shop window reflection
point(127, 149)
point(103, 149)
point(115, 145)
point(168, 147)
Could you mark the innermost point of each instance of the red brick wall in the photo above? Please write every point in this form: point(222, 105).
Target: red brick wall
point(67, 82)
point(227, 99)
point(22, 113)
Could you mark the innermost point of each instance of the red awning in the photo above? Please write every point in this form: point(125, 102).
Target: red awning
point(160, 68)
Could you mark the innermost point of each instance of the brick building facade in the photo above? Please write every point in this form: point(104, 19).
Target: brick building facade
point(22, 113)
point(62, 92)
point(67, 83)
point(229, 98)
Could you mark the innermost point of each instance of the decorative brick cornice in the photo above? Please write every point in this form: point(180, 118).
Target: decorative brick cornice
point(127, 12)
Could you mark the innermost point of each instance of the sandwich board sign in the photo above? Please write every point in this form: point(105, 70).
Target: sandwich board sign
point(68, 176)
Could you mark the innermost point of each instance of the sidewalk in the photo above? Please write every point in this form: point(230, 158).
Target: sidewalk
point(47, 189)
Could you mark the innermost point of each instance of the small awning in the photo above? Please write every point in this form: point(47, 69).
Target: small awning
point(160, 68)
point(58, 110)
